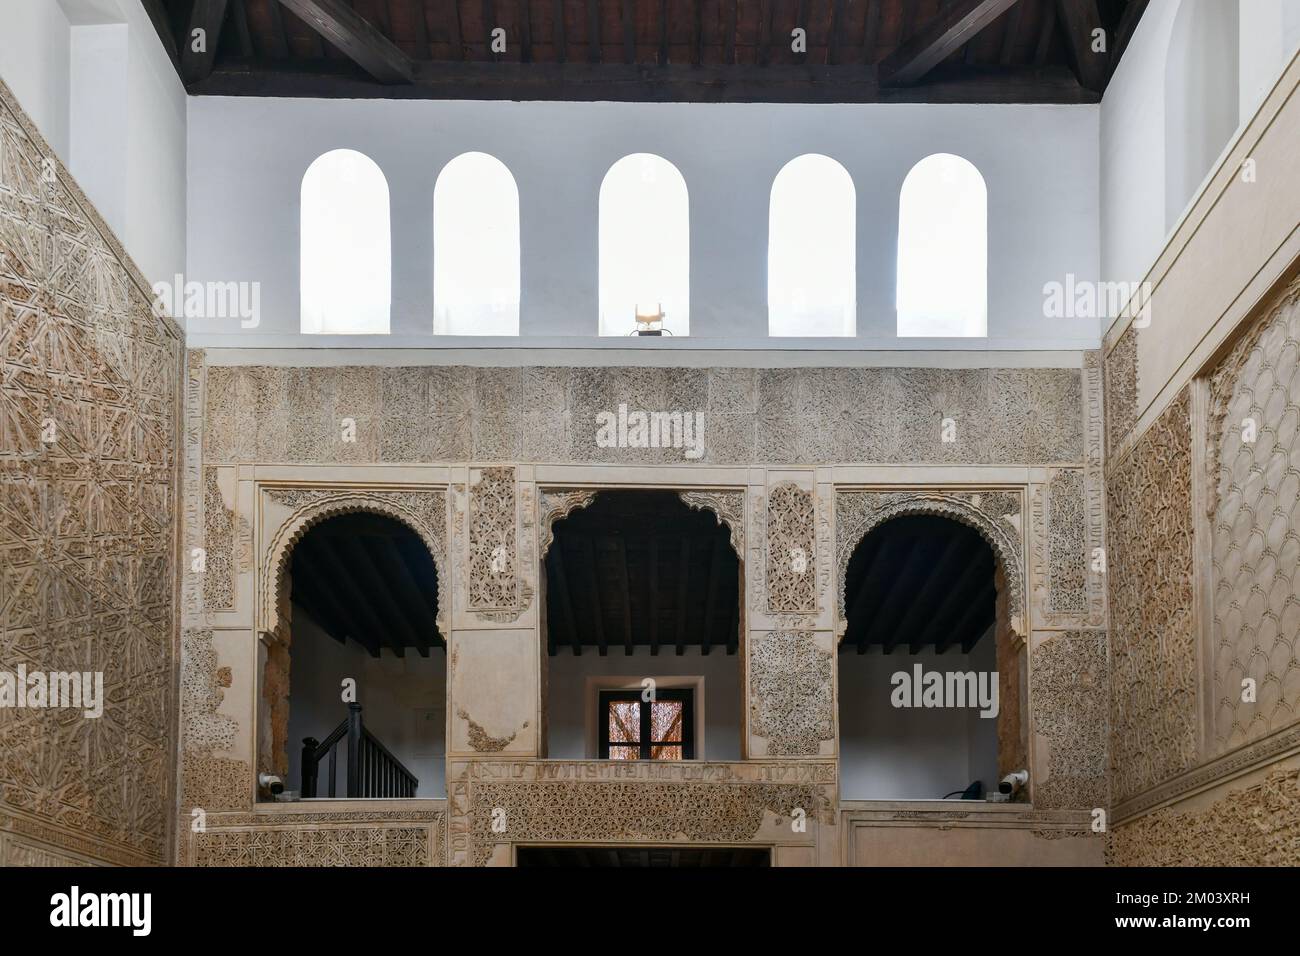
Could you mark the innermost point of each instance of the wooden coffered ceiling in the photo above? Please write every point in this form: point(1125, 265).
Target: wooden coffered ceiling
point(856, 51)
point(918, 583)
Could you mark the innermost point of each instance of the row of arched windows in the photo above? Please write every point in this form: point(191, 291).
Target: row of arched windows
point(644, 247)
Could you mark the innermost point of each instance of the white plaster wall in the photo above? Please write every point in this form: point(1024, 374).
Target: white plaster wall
point(889, 753)
point(403, 703)
point(247, 157)
point(95, 79)
point(566, 695)
point(1137, 211)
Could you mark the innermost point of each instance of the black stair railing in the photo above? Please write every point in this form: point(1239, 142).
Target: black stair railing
point(372, 771)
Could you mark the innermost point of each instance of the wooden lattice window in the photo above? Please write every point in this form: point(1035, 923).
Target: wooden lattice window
point(662, 728)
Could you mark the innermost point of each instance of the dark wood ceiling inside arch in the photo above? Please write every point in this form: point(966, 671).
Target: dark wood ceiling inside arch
point(926, 51)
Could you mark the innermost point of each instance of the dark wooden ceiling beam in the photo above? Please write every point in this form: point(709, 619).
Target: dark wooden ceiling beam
point(944, 614)
point(654, 590)
point(396, 562)
point(1010, 34)
point(593, 593)
point(629, 31)
point(326, 590)
point(871, 32)
point(208, 16)
point(884, 625)
point(593, 32)
point(974, 621)
point(729, 50)
point(354, 36)
point(525, 32)
point(711, 83)
point(559, 37)
point(940, 576)
point(766, 12)
point(867, 594)
point(697, 33)
point(564, 596)
point(1079, 18)
point(1046, 33)
point(619, 547)
point(662, 56)
point(239, 14)
point(421, 31)
point(344, 568)
point(711, 601)
point(279, 35)
point(955, 25)
point(837, 26)
point(683, 585)
point(394, 604)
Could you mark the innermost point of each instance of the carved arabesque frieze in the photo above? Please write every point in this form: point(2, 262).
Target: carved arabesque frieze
point(728, 507)
point(1153, 659)
point(996, 514)
point(556, 504)
point(791, 693)
point(356, 839)
point(90, 383)
point(1254, 505)
point(1256, 825)
point(1066, 593)
point(423, 510)
point(1068, 681)
point(1121, 374)
point(646, 802)
point(494, 586)
point(789, 533)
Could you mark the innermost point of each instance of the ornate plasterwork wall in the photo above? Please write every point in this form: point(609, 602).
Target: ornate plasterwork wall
point(1153, 666)
point(320, 837)
point(806, 415)
point(1252, 825)
point(1254, 474)
point(494, 804)
point(89, 383)
point(1068, 678)
point(792, 691)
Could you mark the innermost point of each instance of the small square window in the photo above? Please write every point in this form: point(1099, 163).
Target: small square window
point(659, 729)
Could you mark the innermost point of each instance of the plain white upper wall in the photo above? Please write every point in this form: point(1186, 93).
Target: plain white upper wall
point(93, 76)
point(247, 157)
point(1150, 154)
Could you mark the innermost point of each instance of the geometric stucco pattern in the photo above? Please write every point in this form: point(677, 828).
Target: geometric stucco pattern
point(89, 379)
point(791, 551)
point(1255, 462)
point(639, 802)
point(1153, 660)
point(791, 692)
point(1121, 373)
point(806, 415)
point(1257, 825)
point(1067, 690)
point(350, 839)
point(493, 558)
point(997, 515)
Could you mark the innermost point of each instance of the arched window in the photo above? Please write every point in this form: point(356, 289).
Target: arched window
point(811, 245)
point(943, 250)
point(645, 245)
point(345, 246)
point(475, 248)
point(1201, 79)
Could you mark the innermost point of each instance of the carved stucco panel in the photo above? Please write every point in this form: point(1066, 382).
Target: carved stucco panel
point(556, 504)
point(1255, 825)
point(1121, 374)
point(1153, 658)
point(494, 804)
point(728, 507)
point(791, 692)
point(790, 527)
point(1254, 466)
point(1068, 681)
point(90, 387)
point(348, 839)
